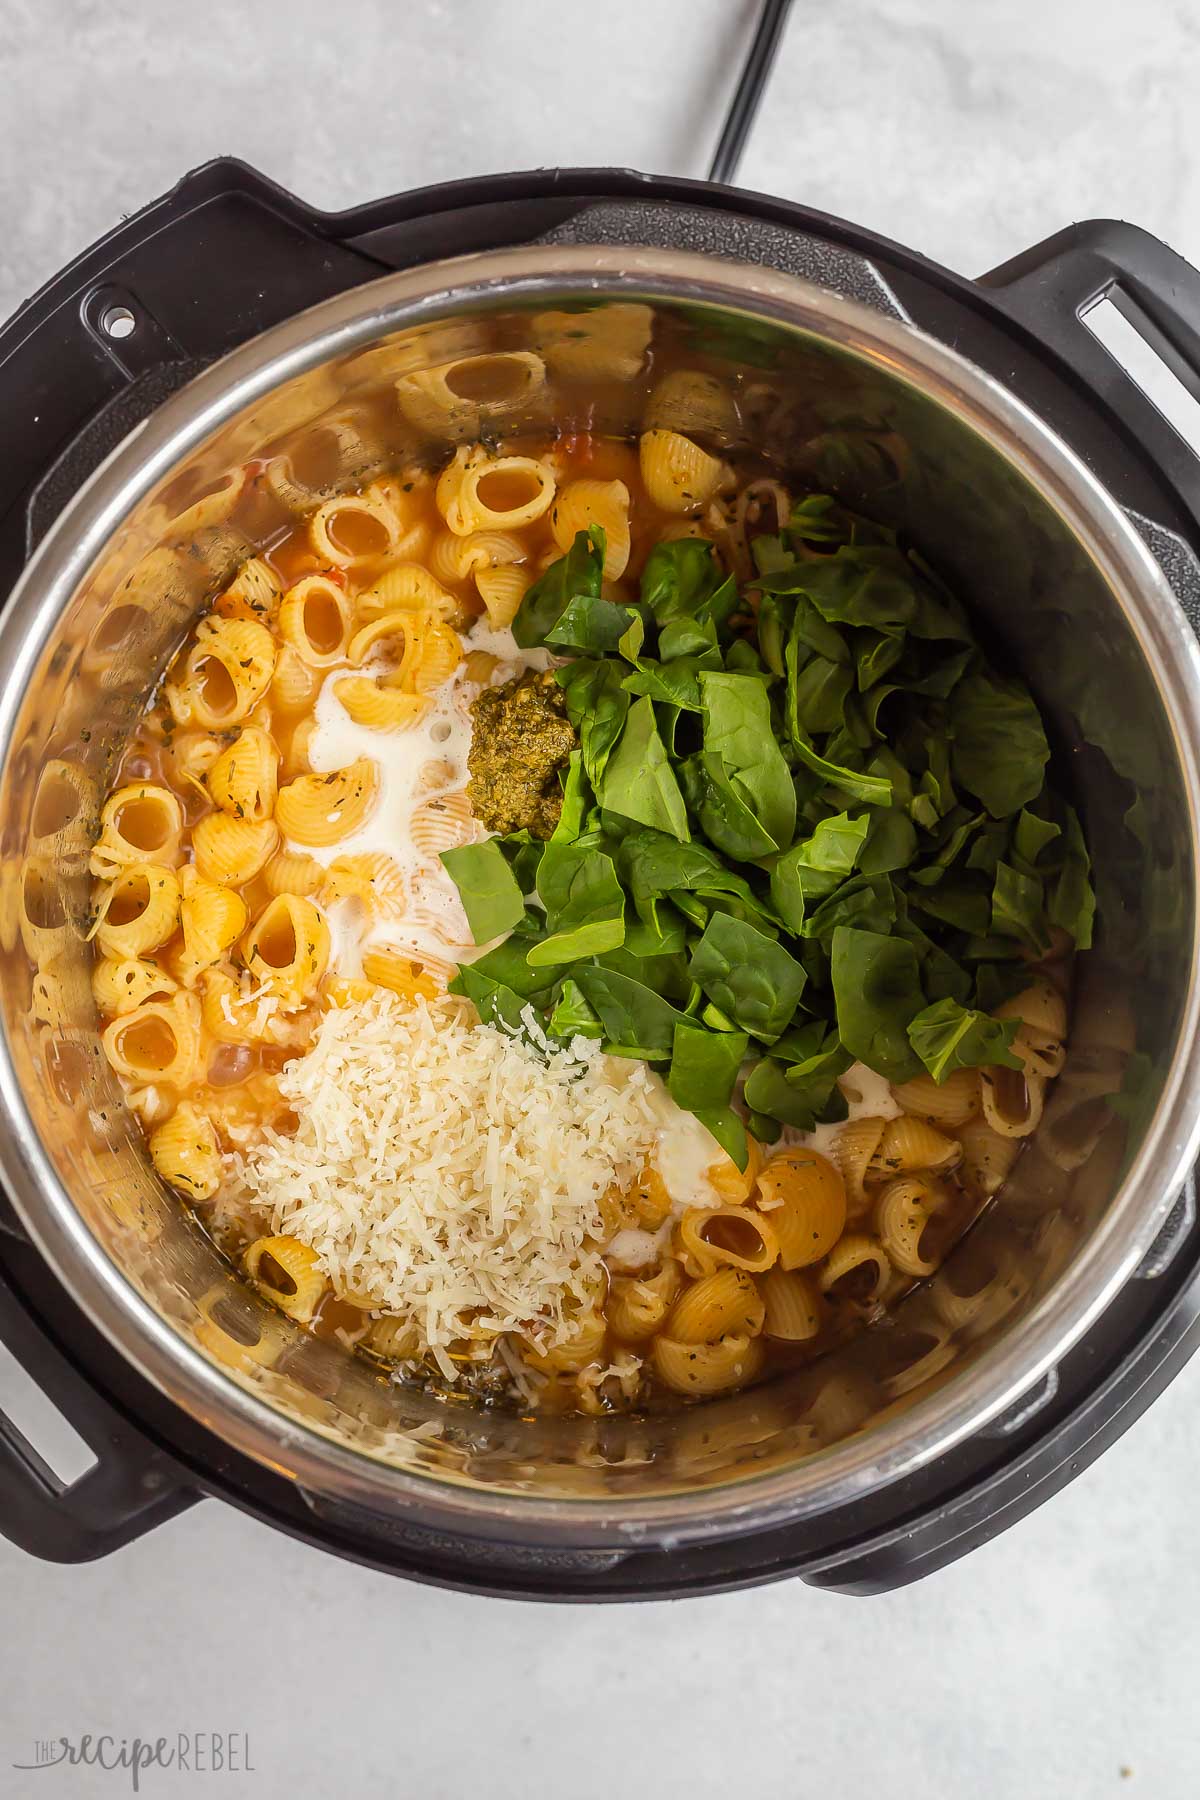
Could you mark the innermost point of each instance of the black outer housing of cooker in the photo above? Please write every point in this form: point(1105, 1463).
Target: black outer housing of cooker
point(225, 256)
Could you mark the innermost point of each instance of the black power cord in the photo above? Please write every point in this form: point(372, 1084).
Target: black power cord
point(749, 92)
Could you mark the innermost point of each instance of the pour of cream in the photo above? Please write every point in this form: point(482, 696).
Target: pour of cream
point(413, 766)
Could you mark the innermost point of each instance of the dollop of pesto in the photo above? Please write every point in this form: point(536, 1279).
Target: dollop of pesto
point(520, 740)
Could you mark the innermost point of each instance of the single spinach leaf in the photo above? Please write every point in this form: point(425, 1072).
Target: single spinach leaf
point(638, 781)
point(590, 622)
point(575, 803)
point(683, 580)
point(507, 964)
point(999, 752)
point(597, 706)
point(652, 864)
point(585, 905)
point(1030, 836)
point(891, 841)
point(800, 1093)
point(577, 573)
point(947, 1036)
point(750, 977)
point(813, 868)
point(636, 1020)
point(867, 902)
point(721, 812)
point(495, 1003)
point(738, 730)
point(704, 1067)
point(571, 1016)
point(487, 887)
point(877, 992)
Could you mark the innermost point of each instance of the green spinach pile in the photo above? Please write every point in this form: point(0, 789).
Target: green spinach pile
point(794, 834)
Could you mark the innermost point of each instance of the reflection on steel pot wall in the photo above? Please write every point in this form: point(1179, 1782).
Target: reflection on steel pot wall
point(893, 423)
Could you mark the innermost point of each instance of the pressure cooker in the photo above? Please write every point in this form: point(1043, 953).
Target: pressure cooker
point(228, 323)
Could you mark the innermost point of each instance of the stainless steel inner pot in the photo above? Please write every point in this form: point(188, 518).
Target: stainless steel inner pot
point(854, 401)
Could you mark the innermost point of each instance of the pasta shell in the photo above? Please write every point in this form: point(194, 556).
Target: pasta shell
point(502, 591)
point(139, 823)
point(137, 911)
point(804, 1197)
point(580, 505)
point(726, 1236)
point(184, 1151)
point(477, 492)
point(703, 1369)
point(727, 1301)
point(232, 851)
point(288, 1273)
point(407, 587)
point(679, 477)
point(322, 809)
point(377, 707)
point(910, 1143)
point(244, 779)
point(945, 1104)
point(857, 1268)
point(793, 1311)
point(315, 620)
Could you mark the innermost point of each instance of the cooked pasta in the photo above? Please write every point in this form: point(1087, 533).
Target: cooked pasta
point(287, 947)
point(293, 873)
point(315, 620)
point(137, 911)
point(792, 1306)
point(502, 590)
point(225, 674)
point(244, 779)
point(230, 850)
point(704, 1369)
point(289, 1273)
point(725, 1302)
point(185, 1152)
point(580, 505)
point(902, 1213)
point(947, 1104)
point(158, 1042)
point(323, 809)
point(122, 983)
point(804, 1198)
point(726, 1236)
point(478, 492)
point(252, 594)
point(139, 823)
point(680, 477)
point(211, 917)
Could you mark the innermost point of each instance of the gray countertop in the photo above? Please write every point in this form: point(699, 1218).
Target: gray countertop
point(1061, 1659)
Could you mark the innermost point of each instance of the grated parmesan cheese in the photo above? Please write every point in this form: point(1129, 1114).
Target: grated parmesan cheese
point(448, 1172)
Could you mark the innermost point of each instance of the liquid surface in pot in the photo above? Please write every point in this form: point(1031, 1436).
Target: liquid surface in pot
point(723, 1041)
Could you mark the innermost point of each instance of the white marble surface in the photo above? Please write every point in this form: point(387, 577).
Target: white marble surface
point(1062, 1660)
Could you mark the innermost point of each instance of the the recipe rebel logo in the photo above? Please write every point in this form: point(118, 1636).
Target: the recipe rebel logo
point(186, 1752)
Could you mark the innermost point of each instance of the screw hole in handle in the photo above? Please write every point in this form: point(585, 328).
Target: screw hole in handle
point(118, 322)
point(127, 331)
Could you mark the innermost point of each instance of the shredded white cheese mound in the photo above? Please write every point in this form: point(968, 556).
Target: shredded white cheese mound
point(450, 1173)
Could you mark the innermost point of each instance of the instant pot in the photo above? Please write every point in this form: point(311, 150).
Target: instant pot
point(229, 327)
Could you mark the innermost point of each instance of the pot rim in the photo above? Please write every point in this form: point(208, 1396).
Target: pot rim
point(845, 1472)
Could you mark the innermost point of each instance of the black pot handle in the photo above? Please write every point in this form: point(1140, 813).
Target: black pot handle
point(132, 1486)
point(1048, 289)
